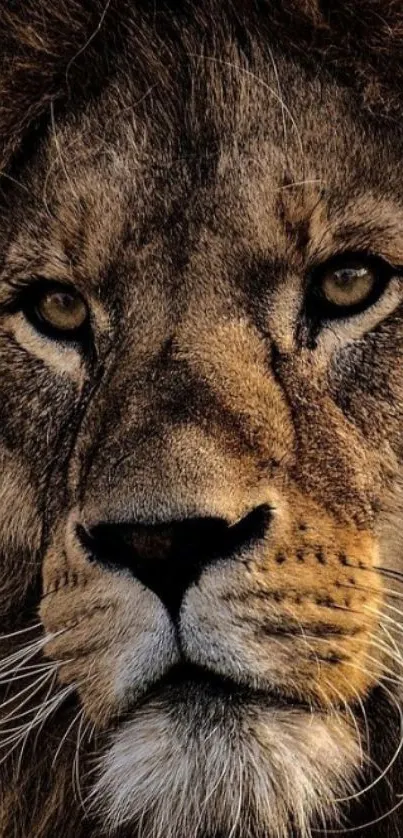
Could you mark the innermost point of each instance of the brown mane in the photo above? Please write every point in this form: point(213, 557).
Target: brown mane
point(49, 51)
point(55, 56)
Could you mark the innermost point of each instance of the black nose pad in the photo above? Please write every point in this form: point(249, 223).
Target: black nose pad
point(169, 557)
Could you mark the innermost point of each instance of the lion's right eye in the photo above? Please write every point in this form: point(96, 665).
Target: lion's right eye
point(56, 310)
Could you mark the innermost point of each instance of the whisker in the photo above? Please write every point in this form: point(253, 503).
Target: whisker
point(377, 592)
point(31, 692)
point(9, 678)
point(393, 641)
point(364, 714)
point(389, 571)
point(65, 735)
point(383, 616)
point(385, 647)
point(46, 711)
point(387, 769)
point(394, 609)
point(31, 724)
point(391, 762)
point(23, 655)
point(20, 631)
point(364, 825)
point(88, 41)
point(27, 652)
point(76, 762)
point(352, 716)
point(391, 676)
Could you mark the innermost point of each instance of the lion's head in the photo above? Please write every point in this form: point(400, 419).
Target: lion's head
point(201, 397)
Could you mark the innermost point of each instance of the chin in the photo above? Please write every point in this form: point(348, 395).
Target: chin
point(199, 757)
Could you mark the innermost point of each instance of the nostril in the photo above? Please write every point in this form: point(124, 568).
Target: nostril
point(253, 527)
point(169, 557)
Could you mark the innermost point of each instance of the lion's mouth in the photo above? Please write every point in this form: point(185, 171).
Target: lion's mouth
point(287, 623)
point(194, 683)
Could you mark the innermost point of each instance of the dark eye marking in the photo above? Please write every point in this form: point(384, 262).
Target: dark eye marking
point(346, 285)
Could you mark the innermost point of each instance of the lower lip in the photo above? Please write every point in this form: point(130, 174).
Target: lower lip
point(189, 680)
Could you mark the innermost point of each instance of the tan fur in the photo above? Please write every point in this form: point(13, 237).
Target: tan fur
point(185, 173)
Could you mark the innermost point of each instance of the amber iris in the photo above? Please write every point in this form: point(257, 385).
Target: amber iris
point(349, 285)
point(63, 310)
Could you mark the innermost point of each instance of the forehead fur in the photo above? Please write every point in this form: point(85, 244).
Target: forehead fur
point(51, 51)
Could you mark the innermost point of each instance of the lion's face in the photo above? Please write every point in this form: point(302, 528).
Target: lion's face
point(201, 401)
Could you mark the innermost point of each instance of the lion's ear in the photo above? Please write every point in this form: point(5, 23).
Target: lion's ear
point(40, 41)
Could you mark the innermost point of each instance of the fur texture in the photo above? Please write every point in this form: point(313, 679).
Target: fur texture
point(200, 496)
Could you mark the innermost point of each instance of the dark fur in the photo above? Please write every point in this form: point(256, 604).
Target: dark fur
point(50, 51)
point(63, 54)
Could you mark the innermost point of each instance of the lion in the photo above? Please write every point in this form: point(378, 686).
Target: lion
point(201, 397)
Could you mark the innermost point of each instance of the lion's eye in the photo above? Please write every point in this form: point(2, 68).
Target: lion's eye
point(349, 285)
point(346, 285)
point(57, 311)
point(63, 310)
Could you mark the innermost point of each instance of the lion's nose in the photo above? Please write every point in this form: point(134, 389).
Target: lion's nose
point(169, 557)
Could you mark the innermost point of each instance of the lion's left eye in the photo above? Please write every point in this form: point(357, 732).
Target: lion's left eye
point(347, 285)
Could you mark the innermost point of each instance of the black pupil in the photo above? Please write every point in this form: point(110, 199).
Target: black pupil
point(65, 300)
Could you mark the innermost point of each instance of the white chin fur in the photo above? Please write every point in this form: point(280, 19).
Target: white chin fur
point(191, 765)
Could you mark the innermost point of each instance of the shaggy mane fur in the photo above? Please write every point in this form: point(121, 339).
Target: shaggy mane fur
point(51, 50)
point(55, 57)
